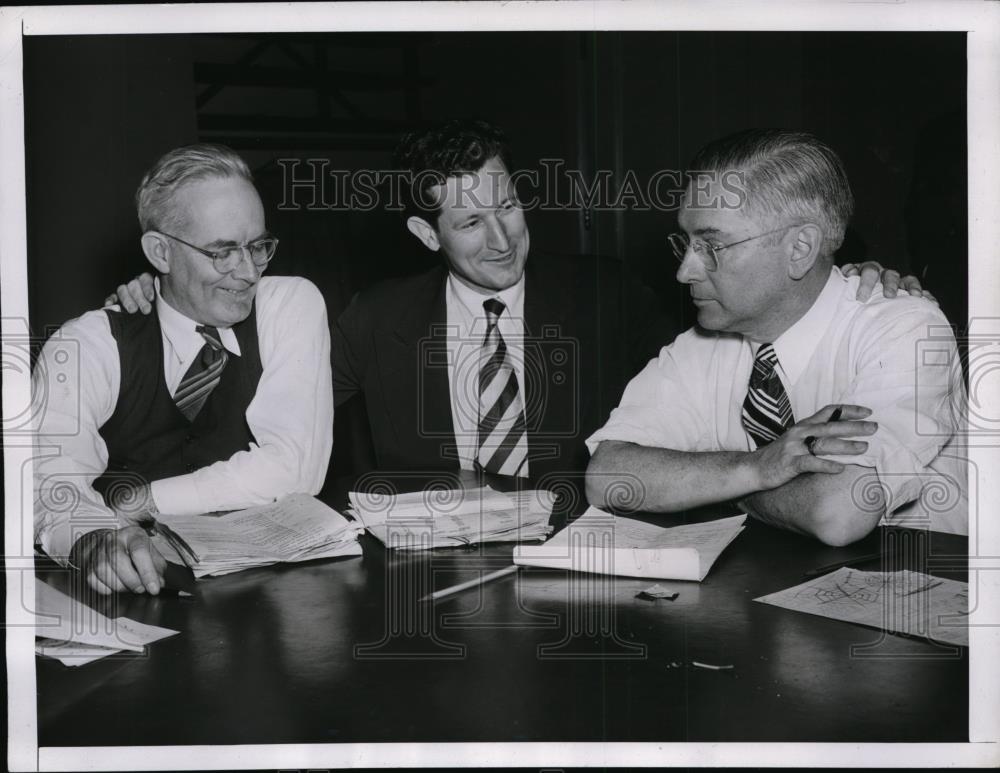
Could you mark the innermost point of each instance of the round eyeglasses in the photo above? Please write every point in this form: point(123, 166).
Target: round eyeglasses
point(226, 259)
point(708, 253)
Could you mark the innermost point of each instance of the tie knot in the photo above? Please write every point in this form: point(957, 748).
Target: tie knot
point(493, 308)
point(767, 353)
point(211, 335)
point(767, 356)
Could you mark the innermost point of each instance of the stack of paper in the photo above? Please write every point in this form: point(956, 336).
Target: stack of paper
point(76, 634)
point(601, 543)
point(296, 528)
point(911, 603)
point(431, 519)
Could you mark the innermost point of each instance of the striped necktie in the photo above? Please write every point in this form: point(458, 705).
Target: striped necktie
point(203, 375)
point(766, 410)
point(503, 439)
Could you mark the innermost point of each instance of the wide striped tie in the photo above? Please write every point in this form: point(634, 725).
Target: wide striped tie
point(203, 375)
point(503, 438)
point(766, 410)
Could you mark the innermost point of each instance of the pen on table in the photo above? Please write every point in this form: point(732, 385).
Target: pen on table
point(482, 580)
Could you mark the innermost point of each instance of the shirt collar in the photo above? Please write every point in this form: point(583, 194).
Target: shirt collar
point(795, 347)
point(180, 331)
point(511, 297)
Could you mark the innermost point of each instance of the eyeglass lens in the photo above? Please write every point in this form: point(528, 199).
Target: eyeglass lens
point(260, 253)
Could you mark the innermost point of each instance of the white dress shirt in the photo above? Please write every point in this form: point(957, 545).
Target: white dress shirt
point(466, 324)
point(291, 414)
point(894, 356)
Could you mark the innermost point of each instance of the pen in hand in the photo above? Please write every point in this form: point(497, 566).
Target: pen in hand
point(810, 441)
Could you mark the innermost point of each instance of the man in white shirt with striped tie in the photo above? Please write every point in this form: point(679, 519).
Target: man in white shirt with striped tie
point(820, 413)
point(221, 399)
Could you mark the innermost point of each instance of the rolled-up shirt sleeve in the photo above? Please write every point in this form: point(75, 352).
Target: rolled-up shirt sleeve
point(290, 416)
point(658, 408)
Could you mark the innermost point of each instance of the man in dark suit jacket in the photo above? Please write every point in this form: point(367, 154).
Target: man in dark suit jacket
point(411, 349)
point(587, 331)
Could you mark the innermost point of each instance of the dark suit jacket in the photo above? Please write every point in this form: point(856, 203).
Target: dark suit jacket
point(588, 330)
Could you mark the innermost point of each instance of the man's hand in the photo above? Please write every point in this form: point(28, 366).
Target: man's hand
point(871, 273)
point(136, 295)
point(789, 455)
point(115, 560)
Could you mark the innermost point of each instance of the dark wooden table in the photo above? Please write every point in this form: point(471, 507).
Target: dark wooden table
point(340, 650)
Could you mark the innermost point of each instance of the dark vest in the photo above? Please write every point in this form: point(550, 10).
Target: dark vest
point(147, 435)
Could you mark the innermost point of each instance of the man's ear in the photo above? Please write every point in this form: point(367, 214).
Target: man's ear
point(424, 231)
point(807, 244)
point(155, 247)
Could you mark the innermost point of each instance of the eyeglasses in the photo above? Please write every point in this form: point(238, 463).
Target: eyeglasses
point(708, 253)
point(228, 258)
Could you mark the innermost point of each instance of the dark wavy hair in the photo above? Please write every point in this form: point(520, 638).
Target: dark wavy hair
point(449, 149)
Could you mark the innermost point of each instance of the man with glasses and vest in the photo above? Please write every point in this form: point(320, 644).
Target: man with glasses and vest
point(818, 412)
point(220, 400)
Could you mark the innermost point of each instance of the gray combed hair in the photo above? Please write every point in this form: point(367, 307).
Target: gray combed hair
point(786, 174)
point(154, 196)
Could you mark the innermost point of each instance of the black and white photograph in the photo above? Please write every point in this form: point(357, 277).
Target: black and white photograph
point(543, 384)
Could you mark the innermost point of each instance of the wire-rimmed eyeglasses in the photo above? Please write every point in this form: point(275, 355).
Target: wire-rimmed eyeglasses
point(706, 251)
point(226, 259)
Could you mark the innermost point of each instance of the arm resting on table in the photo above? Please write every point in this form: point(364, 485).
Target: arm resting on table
point(663, 480)
point(832, 508)
point(826, 506)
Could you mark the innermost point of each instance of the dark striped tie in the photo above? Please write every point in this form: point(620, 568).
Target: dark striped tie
point(766, 411)
point(503, 439)
point(203, 375)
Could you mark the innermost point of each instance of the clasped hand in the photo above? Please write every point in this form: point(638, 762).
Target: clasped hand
point(790, 455)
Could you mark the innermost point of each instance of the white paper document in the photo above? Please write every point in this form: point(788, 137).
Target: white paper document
point(436, 518)
point(76, 634)
point(905, 602)
point(602, 543)
point(295, 528)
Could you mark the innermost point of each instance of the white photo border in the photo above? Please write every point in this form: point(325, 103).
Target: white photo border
point(981, 22)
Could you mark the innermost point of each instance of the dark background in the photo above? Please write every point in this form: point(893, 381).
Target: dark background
point(99, 110)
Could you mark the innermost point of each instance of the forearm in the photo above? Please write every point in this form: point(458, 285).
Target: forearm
point(290, 416)
point(247, 479)
point(837, 509)
point(630, 476)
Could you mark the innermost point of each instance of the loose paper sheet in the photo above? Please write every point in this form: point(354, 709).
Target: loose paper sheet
point(77, 634)
point(601, 543)
point(899, 602)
